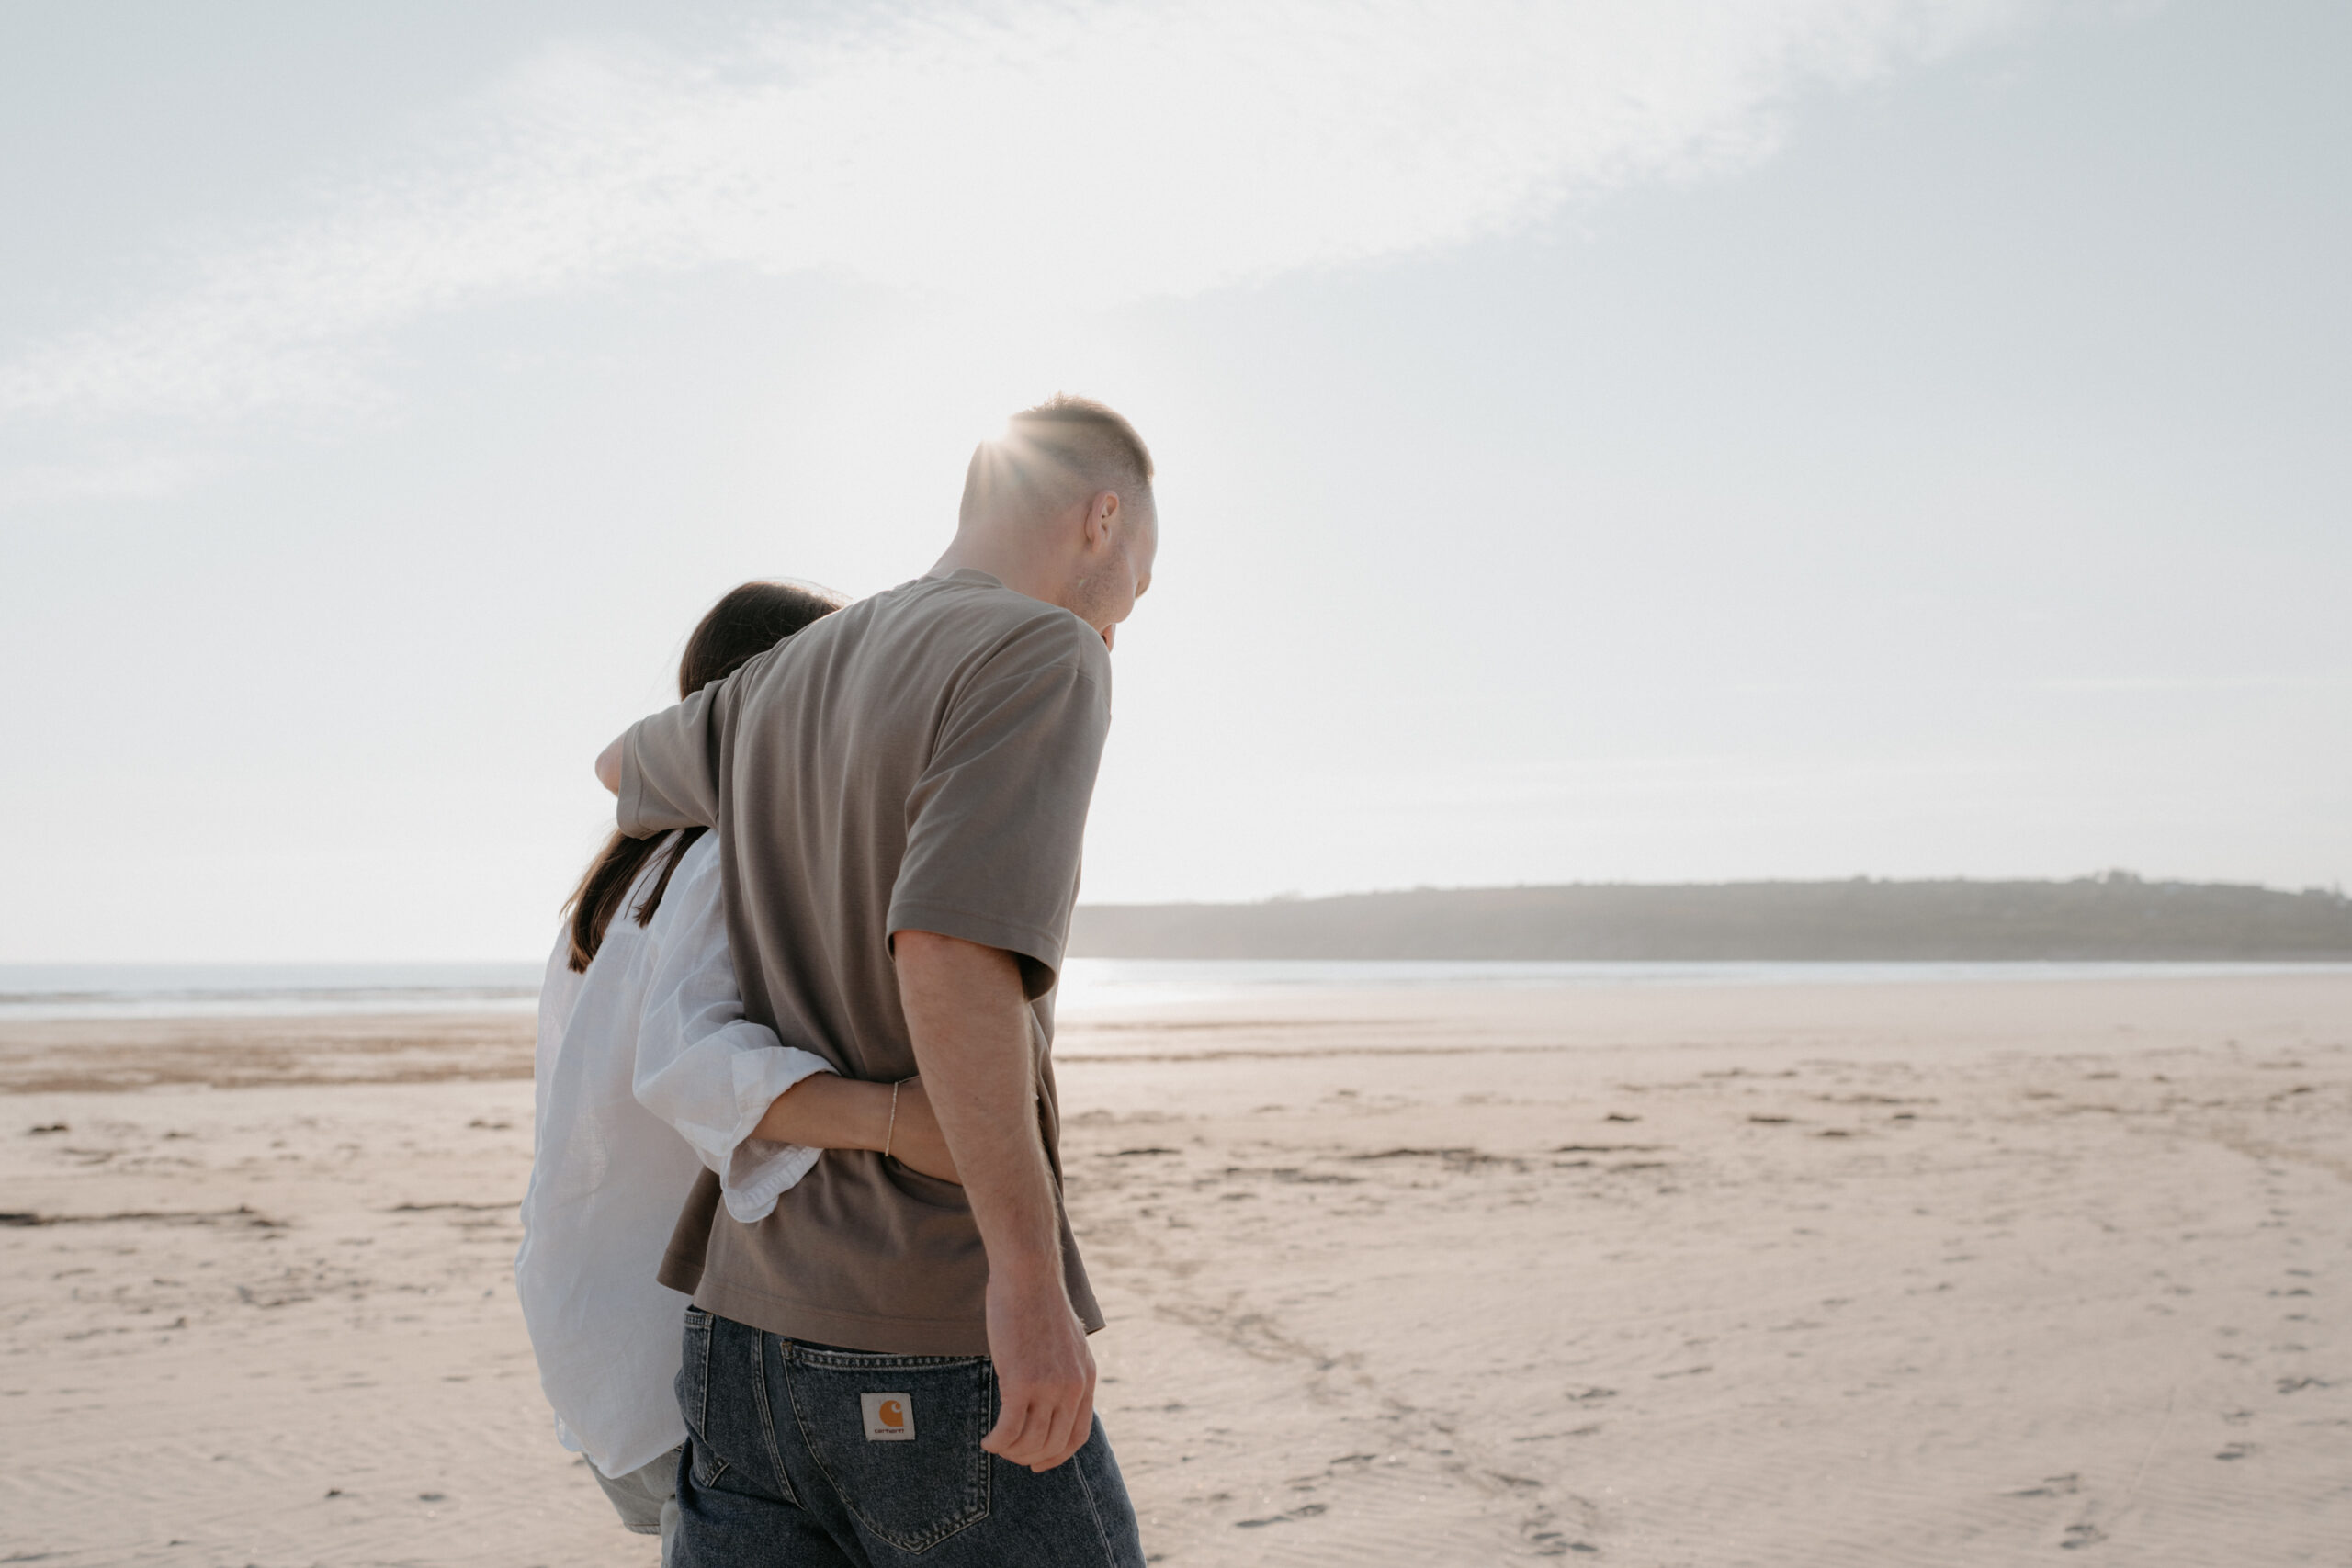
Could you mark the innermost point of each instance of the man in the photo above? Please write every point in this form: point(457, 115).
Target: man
point(890, 1364)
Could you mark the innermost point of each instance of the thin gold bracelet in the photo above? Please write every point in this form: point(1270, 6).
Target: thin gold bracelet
point(891, 1131)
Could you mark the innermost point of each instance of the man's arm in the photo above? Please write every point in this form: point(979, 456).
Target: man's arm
point(664, 768)
point(970, 1025)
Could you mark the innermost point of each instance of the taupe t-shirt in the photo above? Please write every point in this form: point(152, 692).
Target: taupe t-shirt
point(923, 760)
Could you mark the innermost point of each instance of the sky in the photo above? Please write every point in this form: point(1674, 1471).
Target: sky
point(1600, 440)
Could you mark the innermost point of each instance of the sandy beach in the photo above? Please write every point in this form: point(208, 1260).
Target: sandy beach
point(1981, 1273)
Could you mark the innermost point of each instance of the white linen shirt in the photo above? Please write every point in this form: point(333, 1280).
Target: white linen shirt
point(646, 1070)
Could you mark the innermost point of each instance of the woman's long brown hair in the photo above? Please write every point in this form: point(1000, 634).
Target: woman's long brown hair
point(740, 626)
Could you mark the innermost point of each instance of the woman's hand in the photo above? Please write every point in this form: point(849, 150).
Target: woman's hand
point(916, 1140)
point(824, 1111)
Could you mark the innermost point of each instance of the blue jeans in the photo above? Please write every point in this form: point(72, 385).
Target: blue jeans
point(801, 1456)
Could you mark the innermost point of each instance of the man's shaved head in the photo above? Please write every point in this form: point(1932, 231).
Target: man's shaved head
point(1056, 456)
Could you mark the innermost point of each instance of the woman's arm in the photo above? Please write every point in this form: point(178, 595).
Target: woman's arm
point(701, 1066)
point(827, 1111)
point(757, 1111)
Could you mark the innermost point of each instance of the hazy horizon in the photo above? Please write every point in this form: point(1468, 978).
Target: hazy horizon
point(1657, 444)
point(434, 973)
point(2111, 873)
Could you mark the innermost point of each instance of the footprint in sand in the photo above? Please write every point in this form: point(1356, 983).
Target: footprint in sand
point(2052, 1486)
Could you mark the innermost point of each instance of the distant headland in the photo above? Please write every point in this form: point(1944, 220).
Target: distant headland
point(2113, 916)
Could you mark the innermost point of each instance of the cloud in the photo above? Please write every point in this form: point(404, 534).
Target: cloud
point(1088, 154)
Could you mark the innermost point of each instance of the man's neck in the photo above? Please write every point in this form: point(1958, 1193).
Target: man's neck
point(1016, 568)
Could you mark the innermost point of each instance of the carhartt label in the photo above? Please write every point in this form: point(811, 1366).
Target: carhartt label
point(890, 1418)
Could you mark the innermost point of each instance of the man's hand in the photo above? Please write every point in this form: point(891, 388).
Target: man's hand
point(1045, 1373)
point(970, 1026)
point(608, 764)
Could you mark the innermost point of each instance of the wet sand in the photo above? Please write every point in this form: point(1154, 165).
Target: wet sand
point(1984, 1274)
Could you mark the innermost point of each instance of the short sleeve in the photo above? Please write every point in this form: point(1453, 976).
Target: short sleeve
point(997, 819)
point(670, 769)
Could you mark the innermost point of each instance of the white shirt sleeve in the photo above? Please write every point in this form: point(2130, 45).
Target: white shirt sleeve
point(702, 1067)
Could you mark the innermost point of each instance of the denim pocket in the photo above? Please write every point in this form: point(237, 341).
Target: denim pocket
point(694, 1395)
point(912, 1491)
point(693, 1372)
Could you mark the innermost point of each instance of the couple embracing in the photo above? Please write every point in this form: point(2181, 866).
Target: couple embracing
point(806, 992)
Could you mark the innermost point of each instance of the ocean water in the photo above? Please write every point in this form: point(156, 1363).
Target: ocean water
point(29, 992)
point(35, 992)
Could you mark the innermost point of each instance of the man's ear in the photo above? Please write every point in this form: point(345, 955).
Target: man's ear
point(1102, 515)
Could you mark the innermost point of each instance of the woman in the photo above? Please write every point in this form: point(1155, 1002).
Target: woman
point(647, 1071)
